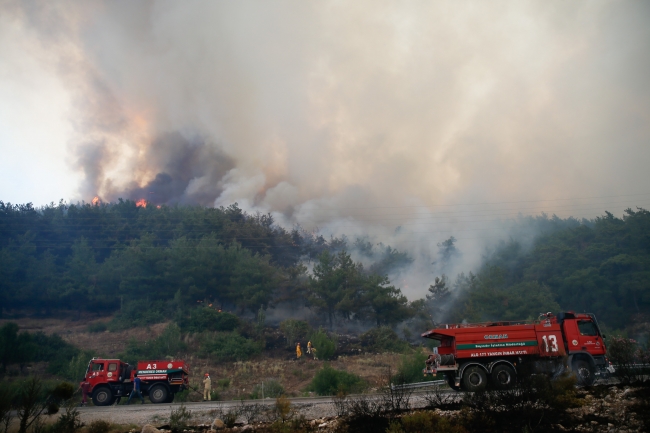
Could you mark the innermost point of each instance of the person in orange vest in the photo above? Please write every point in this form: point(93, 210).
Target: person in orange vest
point(298, 351)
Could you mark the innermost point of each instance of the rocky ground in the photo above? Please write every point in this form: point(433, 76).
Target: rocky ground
point(611, 409)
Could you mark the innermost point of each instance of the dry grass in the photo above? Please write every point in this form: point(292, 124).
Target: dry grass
point(292, 374)
point(108, 344)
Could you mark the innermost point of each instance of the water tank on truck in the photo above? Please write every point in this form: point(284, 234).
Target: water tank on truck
point(492, 355)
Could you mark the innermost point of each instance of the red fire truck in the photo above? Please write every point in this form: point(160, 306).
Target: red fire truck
point(111, 379)
point(476, 356)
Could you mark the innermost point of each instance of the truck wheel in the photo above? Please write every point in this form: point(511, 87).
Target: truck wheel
point(451, 381)
point(158, 394)
point(584, 373)
point(474, 379)
point(503, 377)
point(102, 396)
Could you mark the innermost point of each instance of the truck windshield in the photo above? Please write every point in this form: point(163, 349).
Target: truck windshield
point(587, 328)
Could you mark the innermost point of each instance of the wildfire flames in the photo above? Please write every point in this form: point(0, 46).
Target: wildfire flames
point(141, 203)
point(96, 201)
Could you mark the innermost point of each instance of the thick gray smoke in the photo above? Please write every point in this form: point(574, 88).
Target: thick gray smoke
point(369, 118)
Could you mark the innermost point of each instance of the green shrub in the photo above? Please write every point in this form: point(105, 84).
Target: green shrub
point(57, 352)
point(76, 368)
point(223, 383)
point(169, 343)
point(68, 422)
point(329, 381)
point(179, 418)
point(97, 327)
point(228, 347)
point(627, 353)
point(63, 391)
point(207, 319)
point(294, 330)
point(230, 418)
point(6, 402)
point(182, 396)
point(383, 339)
point(410, 369)
point(99, 426)
point(270, 388)
point(52, 408)
point(22, 348)
point(324, 345)
point(137, 314)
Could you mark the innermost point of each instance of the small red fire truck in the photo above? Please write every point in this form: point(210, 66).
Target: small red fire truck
point(111, 379)
point(476, 356)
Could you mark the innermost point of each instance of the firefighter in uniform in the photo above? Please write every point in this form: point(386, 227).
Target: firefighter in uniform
point(207, 387)
point(298, 351)
point(309, 347)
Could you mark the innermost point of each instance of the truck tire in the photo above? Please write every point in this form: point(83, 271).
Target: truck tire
point(103, 396)
point(584, 373)
point(158, 394)
point(503, 377)
point(451, 381)
point(474, 379)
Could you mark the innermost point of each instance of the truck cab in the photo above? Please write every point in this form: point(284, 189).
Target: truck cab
point(584, 345)
point(106, 378)
point(106, 370)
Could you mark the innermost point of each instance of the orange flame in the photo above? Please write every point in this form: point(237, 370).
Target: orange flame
point(141, 203)
point(96, 201)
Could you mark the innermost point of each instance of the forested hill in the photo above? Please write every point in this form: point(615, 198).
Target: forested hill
point(156, 261)
point(600, 266)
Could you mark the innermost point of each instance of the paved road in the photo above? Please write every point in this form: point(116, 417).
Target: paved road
point(206, 412)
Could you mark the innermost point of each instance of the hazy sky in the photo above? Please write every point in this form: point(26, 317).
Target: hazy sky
point(336, 114)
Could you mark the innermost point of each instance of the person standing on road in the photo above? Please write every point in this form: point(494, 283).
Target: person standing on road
point(207, 387)
point(84, 387)
point(136, 389)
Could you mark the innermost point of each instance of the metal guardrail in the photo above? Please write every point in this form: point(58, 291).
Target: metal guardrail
point(418, 384)
point(631, 365)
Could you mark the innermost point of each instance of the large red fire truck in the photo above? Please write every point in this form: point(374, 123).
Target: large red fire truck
point(111, 379)
point(476, 356)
